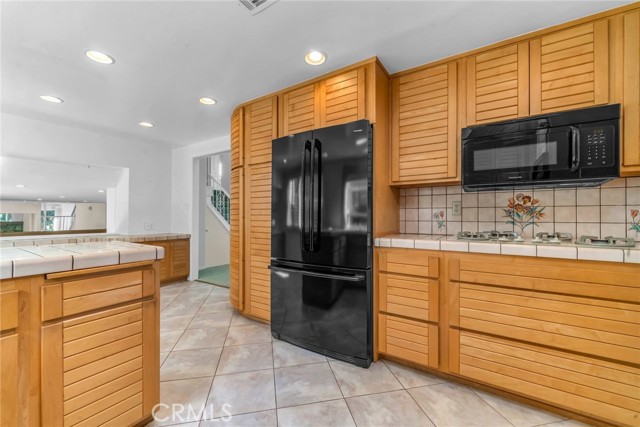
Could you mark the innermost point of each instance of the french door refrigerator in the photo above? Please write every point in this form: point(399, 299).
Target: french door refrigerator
point(321, 241)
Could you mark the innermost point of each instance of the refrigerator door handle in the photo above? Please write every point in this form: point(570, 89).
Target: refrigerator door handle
point(306, 200)
point(345, 277)
point(316, 211)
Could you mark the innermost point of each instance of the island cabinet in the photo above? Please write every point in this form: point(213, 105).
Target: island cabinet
point(424, 126)
point(562, 332)
point(100, 346)
point(408, 302)
point(13, 364)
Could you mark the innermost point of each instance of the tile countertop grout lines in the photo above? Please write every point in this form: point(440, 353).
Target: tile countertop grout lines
point(527, 248)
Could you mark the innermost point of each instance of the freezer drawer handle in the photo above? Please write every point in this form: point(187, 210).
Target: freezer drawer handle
point(345, 277)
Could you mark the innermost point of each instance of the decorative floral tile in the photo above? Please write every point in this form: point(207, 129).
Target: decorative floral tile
point(522, 210)
point(633, 223)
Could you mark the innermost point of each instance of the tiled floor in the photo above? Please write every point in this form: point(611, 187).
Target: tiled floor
point(212, 356)
point(218, 275)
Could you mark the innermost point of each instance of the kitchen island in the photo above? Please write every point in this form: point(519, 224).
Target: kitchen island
point(79, 328)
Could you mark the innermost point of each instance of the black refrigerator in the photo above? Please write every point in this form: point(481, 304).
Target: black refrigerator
point(321, 241)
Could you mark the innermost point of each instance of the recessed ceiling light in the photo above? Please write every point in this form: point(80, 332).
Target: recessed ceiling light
point(84, 201)
point(315, 57)
point(50, 98)
point(62, 197)
point(207, 101)
point(146, 124)
point(38, 199)
point(100, 57)
point(20, 185)
point(100, 191)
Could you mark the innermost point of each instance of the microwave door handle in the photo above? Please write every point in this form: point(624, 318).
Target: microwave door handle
point(575, 148)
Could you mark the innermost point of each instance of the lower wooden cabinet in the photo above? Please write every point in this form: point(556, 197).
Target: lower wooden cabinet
point(408, 339)
point(12, 361)
point(563, 332)
point(175, 265)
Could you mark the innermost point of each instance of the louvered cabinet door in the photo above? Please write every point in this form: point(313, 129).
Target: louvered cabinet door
point(498, 84)
point(258, 241)
point(95, 370)
point(570, 68)
point(237, 138)
point(235, 240)
point(424, 125)
point(342, 98)
point(300, 110)
point(260, 128)
point(631, 95)
point(180, 259)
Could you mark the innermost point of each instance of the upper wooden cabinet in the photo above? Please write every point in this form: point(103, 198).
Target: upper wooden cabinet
point(342, 98)
point(300, 109)
point(237, 138)
point(570, 68)
point(631, 94)
point(498, 84)
point(260, 128)
point(424, 125)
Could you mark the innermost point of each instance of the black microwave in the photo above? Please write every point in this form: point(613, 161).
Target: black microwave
point(570, 148)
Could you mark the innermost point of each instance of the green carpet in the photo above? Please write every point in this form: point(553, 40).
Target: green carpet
point(218, 275)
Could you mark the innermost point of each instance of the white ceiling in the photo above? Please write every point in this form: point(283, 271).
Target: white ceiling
point(50, 180)
point(168, 54)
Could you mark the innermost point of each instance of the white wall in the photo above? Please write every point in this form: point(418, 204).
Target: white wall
point(185, 200)
point(149, 166)
point(90, 216)
point(216, 246)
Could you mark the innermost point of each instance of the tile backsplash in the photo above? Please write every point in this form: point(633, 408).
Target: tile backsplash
point(612, 209)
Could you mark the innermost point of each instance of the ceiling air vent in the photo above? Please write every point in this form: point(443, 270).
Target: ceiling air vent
point(257, 6)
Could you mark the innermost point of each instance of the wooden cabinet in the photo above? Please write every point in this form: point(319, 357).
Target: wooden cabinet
point(498, 84)
point(570, 68)
point(407, 287)
point(236, 240)
point(630, 86)
point(260, 128)
point(10, 361)
point(257, 292)
point(342, 98)
point(97, 368)
point(300, 109)
point(562, 332)
point(237, 138)
point(424, 125)
point(176, 262)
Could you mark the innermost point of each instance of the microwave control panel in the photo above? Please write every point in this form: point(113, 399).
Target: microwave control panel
point(597, 146)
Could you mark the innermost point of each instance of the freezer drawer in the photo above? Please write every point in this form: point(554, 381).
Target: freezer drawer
point(324, 310)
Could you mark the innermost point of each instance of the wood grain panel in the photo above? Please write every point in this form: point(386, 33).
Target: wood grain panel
point(409, 296)
point(260, 128)
point(9, 369)
point(409, 261)
point(180, 259)
point(631, 96)
point(301, 109)
point(9, 310)
point(236, 240)
point(94, 301)
point(583, 384)
point(237, 138)
point(407, 339)
point(570, 68)
point(342, 98)
point(498, 84)
point(258, 241)
point(89, 410)
point(424, 125)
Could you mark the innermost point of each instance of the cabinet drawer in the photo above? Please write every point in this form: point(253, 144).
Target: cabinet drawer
point(587, 325)
point(409, 296)
point(8, 310)
point(78, 296)
point(408, 261)
point(594, 387)
point(410, 340)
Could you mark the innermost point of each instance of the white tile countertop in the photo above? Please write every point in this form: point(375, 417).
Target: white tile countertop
point(20, 241)
point(526, 248)
point(31, 260)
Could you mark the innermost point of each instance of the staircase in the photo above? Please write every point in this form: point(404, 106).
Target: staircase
point(219, 201)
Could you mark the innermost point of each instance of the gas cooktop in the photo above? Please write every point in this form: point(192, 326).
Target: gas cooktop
point(606, 242)
point(501, 236)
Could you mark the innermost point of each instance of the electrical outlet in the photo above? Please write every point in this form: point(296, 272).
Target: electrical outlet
point(148, 226)
point(455, 208)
